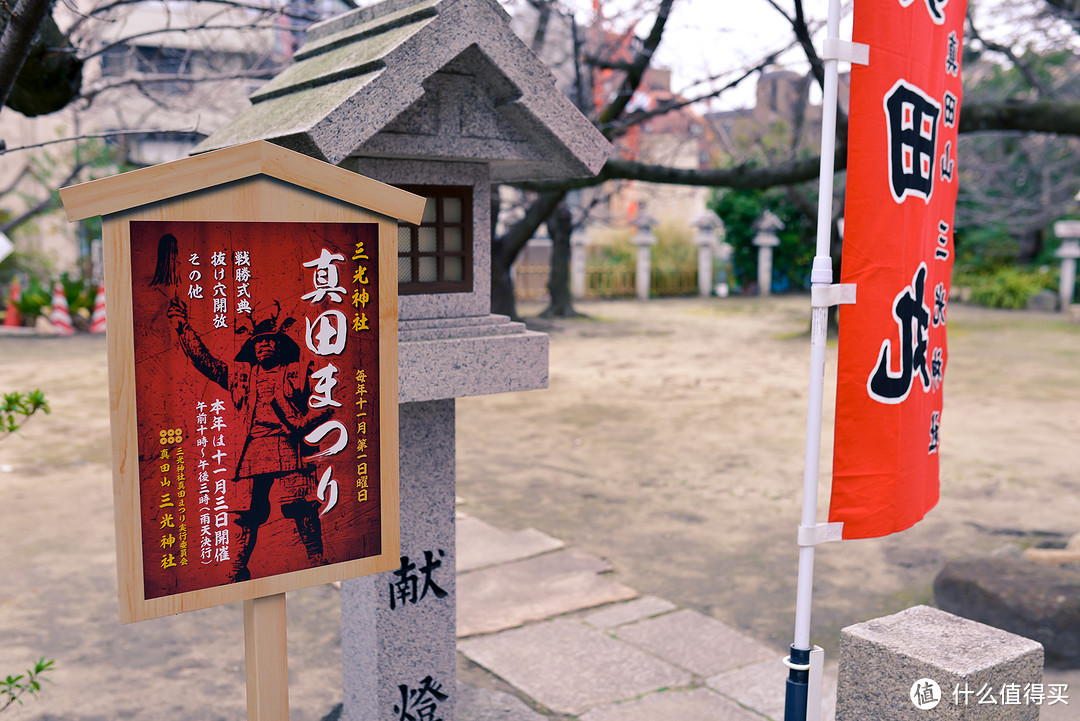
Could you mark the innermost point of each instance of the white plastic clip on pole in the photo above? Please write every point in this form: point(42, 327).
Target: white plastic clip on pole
point(798, 690)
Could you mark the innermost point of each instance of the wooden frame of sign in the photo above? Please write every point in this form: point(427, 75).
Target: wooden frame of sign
point(213, 195)
point(262, 420)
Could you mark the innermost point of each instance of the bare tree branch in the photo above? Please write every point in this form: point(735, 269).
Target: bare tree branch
point(640, 116)
point(161, 31)
point(1068, 10)
point(636, 73)
point(16, 180)
point(1029, 75)
point(87, 136)
point(103, 9)
point(146, 80)
point(50, 201)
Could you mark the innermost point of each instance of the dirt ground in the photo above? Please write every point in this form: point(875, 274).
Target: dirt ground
point(670, 442)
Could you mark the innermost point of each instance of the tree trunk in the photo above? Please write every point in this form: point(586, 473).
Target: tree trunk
point(560, 225)
point(502, 285)
point(505, 248)
point(16, 38)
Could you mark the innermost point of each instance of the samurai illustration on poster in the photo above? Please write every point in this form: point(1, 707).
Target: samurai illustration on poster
point(256, 379)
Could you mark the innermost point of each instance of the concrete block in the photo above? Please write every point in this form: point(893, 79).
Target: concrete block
point(889, 665)
point(571, 668)
point(493, 599)
point(695, 642)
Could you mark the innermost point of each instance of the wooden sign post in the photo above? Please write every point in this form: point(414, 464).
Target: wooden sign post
point(252, 305)
point(266, 657)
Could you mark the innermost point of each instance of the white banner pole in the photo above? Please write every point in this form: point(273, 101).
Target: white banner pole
point(821, 276)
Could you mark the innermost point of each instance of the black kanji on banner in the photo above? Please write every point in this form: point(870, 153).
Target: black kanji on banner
point(889, 386)
point(913, 125)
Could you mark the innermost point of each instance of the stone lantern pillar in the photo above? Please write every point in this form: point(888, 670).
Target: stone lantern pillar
point(644, 240)
point(1069, 232)
point(765, 240)
point(578, 252)
point(707, 224)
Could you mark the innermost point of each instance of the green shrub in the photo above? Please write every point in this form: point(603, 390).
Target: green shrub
point(33, 301)
point(79, 293)
point(792, 259)
point(1005, 287)
point(612, 249)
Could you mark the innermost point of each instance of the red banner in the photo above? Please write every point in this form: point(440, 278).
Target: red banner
point(898, 250)
point(256, 386)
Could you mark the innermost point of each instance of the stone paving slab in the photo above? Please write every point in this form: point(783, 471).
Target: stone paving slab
point(501, 597)
point(761, 686)
point(699, 704)
point(695, 641)
point(480, 544)
point(474, 704)
point(570, 667)
point(629, 612)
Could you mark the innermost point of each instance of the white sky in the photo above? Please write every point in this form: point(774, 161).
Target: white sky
point(705, 38)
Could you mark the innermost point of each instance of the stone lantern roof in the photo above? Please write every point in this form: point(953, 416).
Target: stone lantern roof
point(424, 79)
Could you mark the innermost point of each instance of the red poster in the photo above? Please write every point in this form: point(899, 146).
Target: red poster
point(898, 250)
point(256, 386)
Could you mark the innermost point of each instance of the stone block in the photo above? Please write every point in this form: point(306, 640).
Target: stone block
point(494, 599)
point(571, 668)
point(624, 613)
point(481, 545)
point(1030, 599)
point(942, 662)
point(699, 704)
point(761, 686)
point(695, 642)
point(469, 365)
point(477, 704)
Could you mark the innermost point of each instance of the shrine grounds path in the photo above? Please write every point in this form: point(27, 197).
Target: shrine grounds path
point(670, 443)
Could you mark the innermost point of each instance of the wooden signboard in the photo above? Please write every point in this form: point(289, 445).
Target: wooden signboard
point(252, 302)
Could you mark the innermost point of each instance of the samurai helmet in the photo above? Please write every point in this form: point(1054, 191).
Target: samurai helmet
point(264, 324)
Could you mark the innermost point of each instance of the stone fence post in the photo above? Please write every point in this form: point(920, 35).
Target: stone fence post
point(644, 240)
point(924, 663)
point(707, 224)
point(1069, 232)
point(578, 256)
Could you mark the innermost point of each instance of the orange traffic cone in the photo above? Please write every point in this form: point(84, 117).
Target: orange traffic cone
point(60, 316)
point(12, 317)
point(97, 320)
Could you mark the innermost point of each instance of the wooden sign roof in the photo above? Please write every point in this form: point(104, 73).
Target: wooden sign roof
point(187, 175)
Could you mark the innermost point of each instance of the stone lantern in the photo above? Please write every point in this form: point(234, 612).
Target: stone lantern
point(441, 98)
point(765, 240)
point(644, 239)
point(1068, 251)
point(708, 226)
